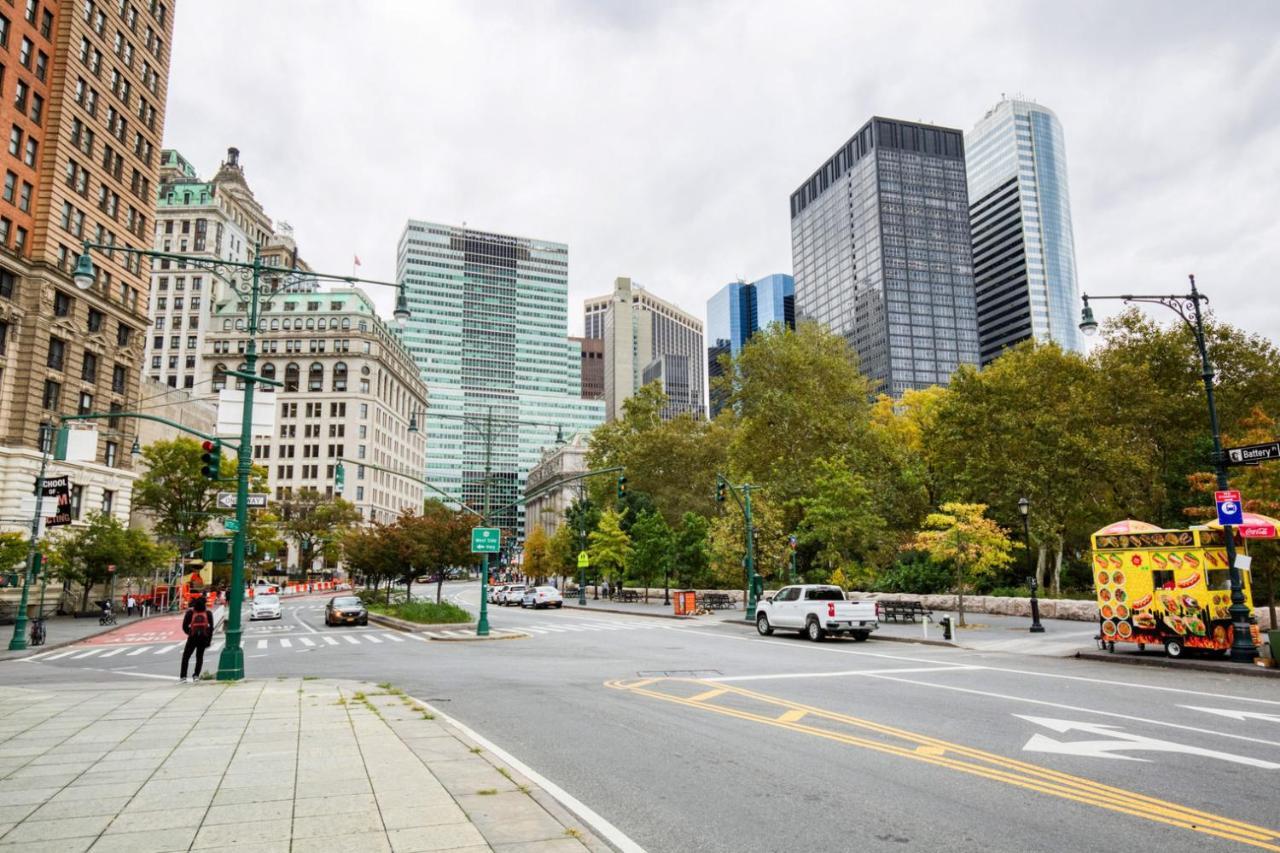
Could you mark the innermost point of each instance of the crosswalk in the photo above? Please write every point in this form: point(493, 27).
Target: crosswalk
point(268, 644)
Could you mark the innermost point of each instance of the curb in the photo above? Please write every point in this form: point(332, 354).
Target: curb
point(580, 609)
point(946, 644)
point(416, 627)
point(1170, 663)
point(513, 635)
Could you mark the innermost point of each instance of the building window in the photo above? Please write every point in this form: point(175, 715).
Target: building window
point(119, 378)
point(340, 376)
point(219, 376)
point(89, 368)
point(57, 353)
point(61, 304)
point(52, 393)
point(77, 501)
point(86, 403)
point(95, 320)
point(108, 501)
point(111, 453)
point(123, 333)
point(315, 377)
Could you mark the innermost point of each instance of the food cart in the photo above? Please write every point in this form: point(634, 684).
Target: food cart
point(1164, 587)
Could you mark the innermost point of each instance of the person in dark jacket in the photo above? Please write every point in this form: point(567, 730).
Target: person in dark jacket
point(197, 624)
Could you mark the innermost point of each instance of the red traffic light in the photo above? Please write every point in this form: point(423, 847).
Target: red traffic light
point(206, 446)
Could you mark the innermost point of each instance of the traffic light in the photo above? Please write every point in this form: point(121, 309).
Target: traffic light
point(622, 486)
point(720, 488)
point(211, 459)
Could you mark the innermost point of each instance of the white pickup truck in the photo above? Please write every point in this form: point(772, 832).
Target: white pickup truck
point(816, 611)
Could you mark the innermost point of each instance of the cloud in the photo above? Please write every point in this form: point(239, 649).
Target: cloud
point(662, 140)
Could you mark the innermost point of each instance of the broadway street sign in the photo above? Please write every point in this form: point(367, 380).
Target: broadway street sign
point(1252, 454)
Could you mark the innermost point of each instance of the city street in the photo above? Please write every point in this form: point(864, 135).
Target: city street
point(691, 735)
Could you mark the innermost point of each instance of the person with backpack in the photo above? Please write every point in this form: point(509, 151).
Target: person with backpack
point(197, 624)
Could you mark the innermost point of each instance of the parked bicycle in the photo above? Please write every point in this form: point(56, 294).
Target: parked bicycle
point(37, 632)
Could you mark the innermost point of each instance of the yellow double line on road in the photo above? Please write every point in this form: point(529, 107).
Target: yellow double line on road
point(743, 704)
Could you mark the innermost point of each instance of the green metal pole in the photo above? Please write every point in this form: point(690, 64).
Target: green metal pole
point(792, 578)
point(1242, 647)
point(482, 626)
point(751, 553)
point(231, 661)
point(582, 543)
point(19, 641)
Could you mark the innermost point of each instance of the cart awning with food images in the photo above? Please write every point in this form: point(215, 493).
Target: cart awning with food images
point(1255, 526)
point(1129, 525)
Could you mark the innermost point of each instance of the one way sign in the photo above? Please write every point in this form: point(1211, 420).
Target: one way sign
point(227, 500)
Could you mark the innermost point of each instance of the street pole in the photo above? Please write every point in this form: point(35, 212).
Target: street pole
point(582, 544)
point(1242, 648)
point(1024, 507)
point(482, 626)
point(751, 553)
point(19, 641)
point(231, 661)
point(793, 544)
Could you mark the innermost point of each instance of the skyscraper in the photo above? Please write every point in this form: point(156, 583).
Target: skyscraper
point(643, 333)
point(489, 334)
point(881, 252)
point(84, 97)
point(739, 310)
point(1024, 257)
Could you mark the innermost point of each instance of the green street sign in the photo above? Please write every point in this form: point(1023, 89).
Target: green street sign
point(485, 540)
point(583, 562)
point(231, 524)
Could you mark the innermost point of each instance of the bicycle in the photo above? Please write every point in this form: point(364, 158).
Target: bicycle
point(37, 632)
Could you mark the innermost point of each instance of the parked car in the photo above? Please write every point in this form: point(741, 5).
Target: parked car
point(816, 610)
point(265, 607)
point(541, 596)
point(345, 610)
point(496, 592)
point(512, 594)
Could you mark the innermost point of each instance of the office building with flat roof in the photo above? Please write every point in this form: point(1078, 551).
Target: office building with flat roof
point(739, 310)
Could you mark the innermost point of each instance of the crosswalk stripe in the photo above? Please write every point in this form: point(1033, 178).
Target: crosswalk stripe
point(137, 651)
point(556, 628)
point(352, 640)
point(420, 638)
point(371, 638)
point(57, 655)
point(85, 654)
point(307, 641)
point(262, 644)
point(534, 630)
point(330, 640)
point(114, 651)
point(164, 649)
point(393, 638)
point(284, 641)
point(213, 647)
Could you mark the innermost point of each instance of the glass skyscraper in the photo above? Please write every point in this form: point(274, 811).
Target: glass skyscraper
point(738, 311)
point(489, 333)
point(1024, 254)
point(881, 252)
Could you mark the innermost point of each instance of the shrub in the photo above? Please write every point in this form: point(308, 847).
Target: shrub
point(423, 612)
point(916, 573)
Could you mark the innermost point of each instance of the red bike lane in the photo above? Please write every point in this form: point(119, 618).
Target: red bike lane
point(156, 629)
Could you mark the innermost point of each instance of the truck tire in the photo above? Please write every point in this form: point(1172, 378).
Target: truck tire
point(861, 636)
point(1173, 648)
point(814, 631)
point(763, 626)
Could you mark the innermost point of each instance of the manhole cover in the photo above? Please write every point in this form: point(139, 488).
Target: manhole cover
point(679, 673)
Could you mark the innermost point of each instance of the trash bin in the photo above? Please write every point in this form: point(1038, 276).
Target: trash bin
point(685, 602)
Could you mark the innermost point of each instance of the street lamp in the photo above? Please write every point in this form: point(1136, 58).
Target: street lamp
point(1187, 306)
point(19, 640)
point(1024, 507)
point(246, 280)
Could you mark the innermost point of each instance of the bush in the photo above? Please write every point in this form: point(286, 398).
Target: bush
point(422, 612)
point(916, 573)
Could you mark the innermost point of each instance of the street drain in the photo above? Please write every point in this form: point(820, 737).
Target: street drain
point(679, 673)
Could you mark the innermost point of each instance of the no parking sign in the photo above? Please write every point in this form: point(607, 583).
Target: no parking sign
point(1230, 508)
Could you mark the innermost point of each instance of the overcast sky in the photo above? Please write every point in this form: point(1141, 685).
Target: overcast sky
point(661, 140)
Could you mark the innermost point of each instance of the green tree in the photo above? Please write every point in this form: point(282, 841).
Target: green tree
point(537, 560)
point(13, 552)
point(371, 553)
point(317, 525)
point(962, 535)
point(692, 555)
point(85, 554)
point(562, 552)
point(842, 520)
point(172, 489)
point(728, 544)
point(610, 550)
point(652, 544)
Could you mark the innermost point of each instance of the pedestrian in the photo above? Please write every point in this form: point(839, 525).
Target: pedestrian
point(131, 603)
point(197, 624)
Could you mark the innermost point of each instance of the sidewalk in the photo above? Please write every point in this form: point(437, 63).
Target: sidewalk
point(990, 632)
point(290, 765)
point(65, 630)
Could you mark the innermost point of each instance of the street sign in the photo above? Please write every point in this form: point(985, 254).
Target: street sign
point(58, 488)
point(1230, 510)
point(1252, 454)
point(583, 561)
point(231, 524)
point(486, 540)
point(227, 500)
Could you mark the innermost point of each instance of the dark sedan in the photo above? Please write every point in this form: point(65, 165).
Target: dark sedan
point(345, 610)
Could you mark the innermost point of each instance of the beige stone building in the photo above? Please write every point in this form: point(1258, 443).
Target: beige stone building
point(558, 463)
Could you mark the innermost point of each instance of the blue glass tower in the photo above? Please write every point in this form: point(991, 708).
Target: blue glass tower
point(1024, 258)
point(738, 311)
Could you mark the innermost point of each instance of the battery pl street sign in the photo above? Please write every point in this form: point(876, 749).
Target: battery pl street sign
point(486, 540)
point(1252, 454)
point(227, 500)
point(1230, 509)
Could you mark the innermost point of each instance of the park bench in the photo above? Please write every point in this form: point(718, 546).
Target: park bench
point(628, 595)
point(902, 611)
point(716, 601)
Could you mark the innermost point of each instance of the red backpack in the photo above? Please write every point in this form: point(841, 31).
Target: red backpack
point(200, 625)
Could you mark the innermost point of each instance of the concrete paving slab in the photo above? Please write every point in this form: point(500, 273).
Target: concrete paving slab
point(430, 838)
point(154, 841)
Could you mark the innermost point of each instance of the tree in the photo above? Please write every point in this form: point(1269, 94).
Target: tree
point(962, 535)
point(536, 556)
point(610, 550)
point(652, 544)
point(728, 544)
point(691, 551)
point(13, 552)
point(562, 552)
point(316, 524)
point(371, 553)
point(842, 519)
point(86, 555)
point(177, 494)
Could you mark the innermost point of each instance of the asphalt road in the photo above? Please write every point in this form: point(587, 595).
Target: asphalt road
point(689, 736)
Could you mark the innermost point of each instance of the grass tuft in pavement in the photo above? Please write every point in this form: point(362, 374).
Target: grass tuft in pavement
point(487, 792)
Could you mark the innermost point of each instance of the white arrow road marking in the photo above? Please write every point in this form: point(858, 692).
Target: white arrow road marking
point(1235, 715)
point(1120, 741)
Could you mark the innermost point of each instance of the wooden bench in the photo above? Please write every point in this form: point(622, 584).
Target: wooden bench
point(902, 611)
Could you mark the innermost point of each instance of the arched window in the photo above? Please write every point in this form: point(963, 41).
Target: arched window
point(291, 377)
point(340, 376)
point(242, 368)
point(315, 377)
point(219, 377)
point(268, 372)
point(346, 322)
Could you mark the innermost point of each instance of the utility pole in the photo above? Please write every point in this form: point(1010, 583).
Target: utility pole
point(482, 626)
point(19, 641)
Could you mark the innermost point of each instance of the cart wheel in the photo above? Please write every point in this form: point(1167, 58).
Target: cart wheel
point(1142, 647)
point(1173, 648)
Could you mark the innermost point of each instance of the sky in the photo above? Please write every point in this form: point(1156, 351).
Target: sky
point(662, 140)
